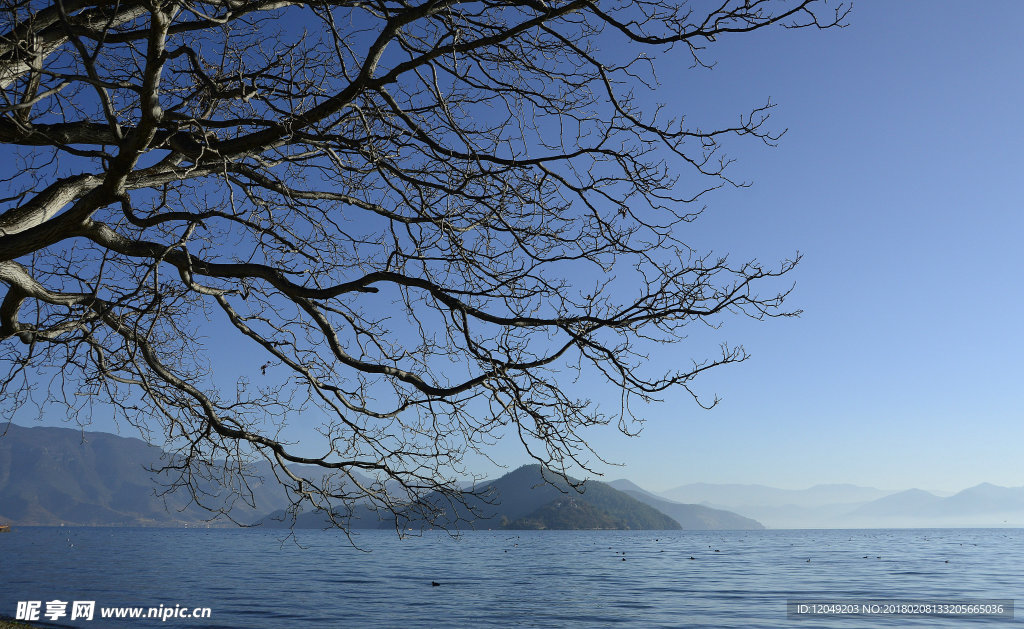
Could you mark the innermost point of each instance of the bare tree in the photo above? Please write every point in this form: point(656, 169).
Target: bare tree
point(434, 218)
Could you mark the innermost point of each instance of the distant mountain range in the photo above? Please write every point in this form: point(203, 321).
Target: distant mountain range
point(851, 506)
point(692, 517)
point(52, 476)
point(981, 503)
point(773, 497)
point(526, 498)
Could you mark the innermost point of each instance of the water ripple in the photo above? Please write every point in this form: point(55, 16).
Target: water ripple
point(531, 579)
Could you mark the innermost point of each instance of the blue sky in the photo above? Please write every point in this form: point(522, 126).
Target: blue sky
point(899, 182)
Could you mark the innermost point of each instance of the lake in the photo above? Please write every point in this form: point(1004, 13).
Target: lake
point(257, 578)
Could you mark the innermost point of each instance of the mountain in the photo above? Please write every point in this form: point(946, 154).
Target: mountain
point(981, 505)
point(534, 498)
point(852, 506)
point(527, 503)
point(761, 495)
point(912, 501)
point(820, 506)
point(980, 499)
point(51, 476)
point(691, 517)
point(526, 498)
point(59, 475)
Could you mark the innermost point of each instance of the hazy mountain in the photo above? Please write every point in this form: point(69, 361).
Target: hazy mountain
point(912, 501)
point(820, 506)
point(982, 505)
point(55, 475)
point(527, 503)
point(851, 506)
point(623, 484)
point(732, 495)
point(60, 475)
point(983, 498)
point(66, 476)
point(690, 517)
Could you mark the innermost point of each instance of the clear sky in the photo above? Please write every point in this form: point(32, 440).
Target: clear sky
point(900, 181)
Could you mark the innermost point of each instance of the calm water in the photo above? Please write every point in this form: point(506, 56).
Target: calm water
point(251, 578)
